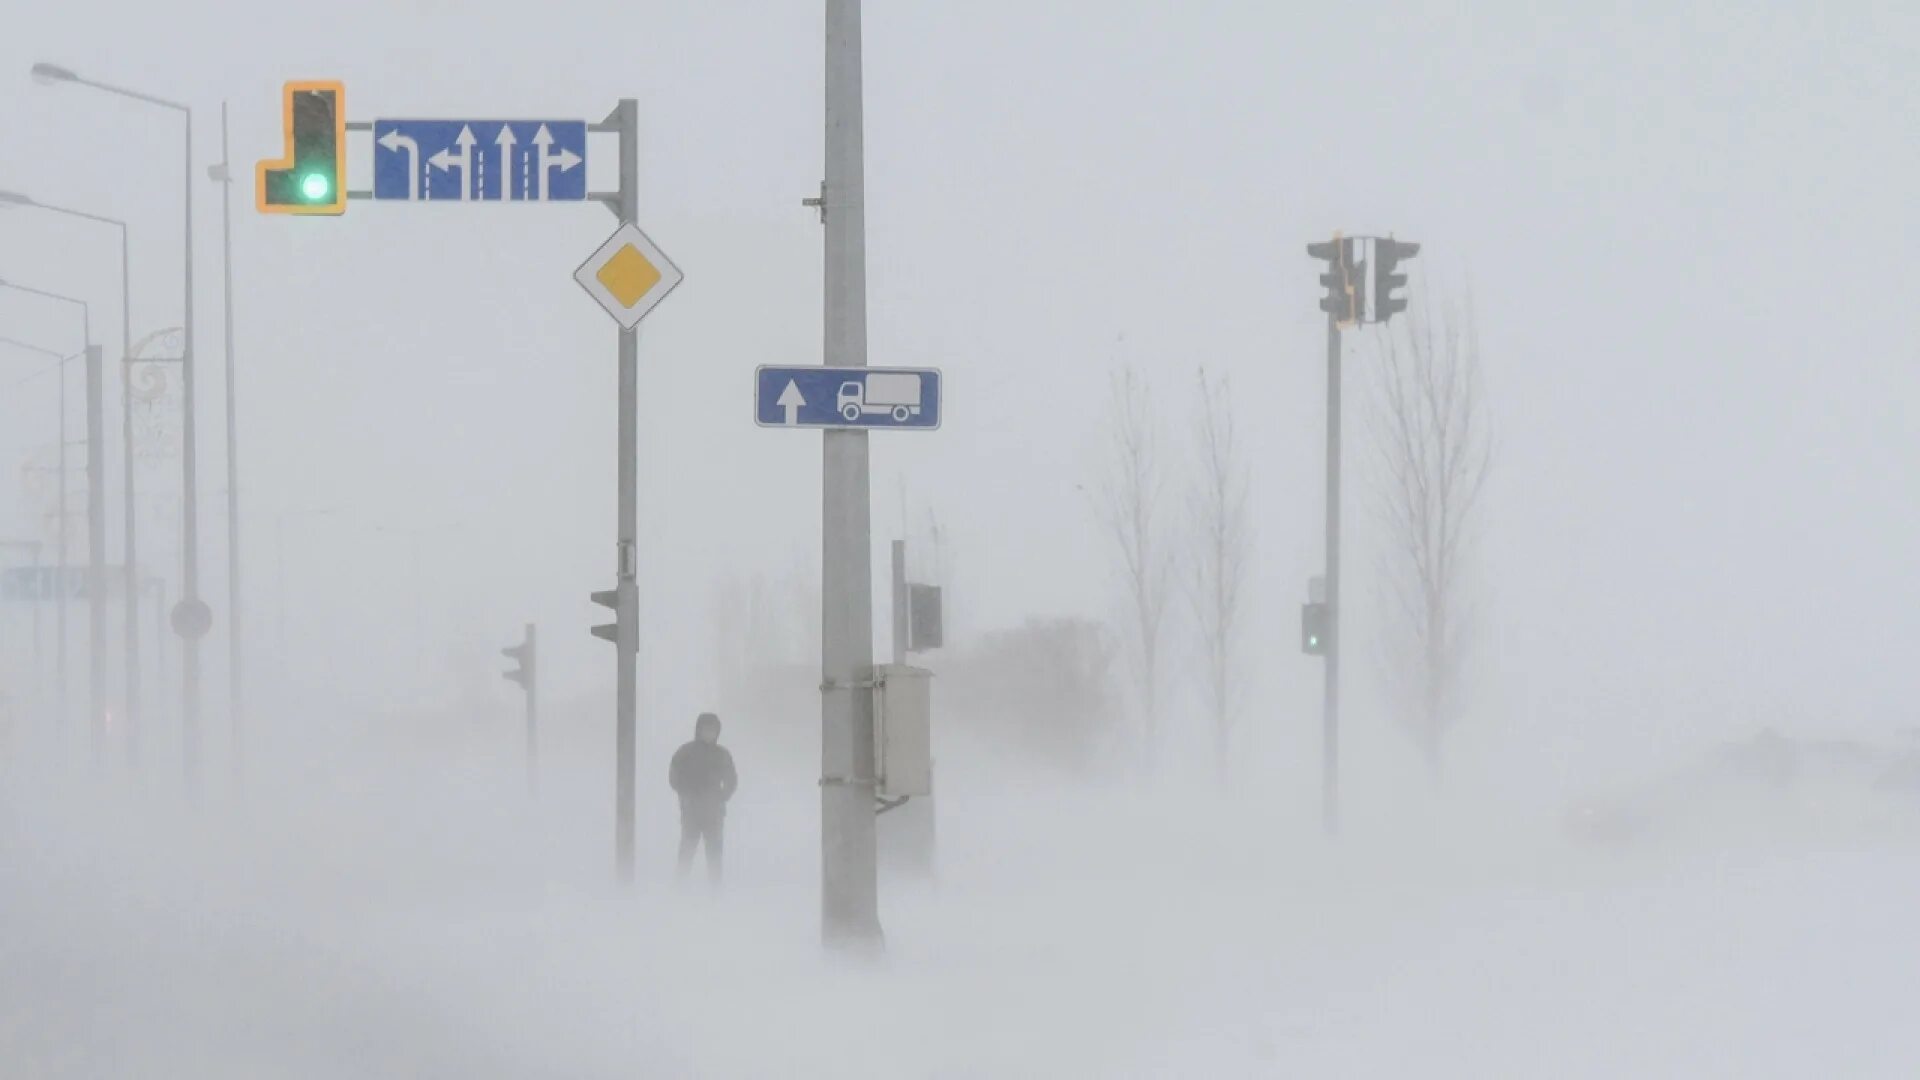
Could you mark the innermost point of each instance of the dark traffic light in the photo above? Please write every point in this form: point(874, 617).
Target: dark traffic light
point(312, 178)
point(524, 654)
point(1387, 254)
point(1342, 280)
point(1316, 628)
point(608, 631)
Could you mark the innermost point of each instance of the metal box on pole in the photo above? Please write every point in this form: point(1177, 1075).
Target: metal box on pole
point(903, 731)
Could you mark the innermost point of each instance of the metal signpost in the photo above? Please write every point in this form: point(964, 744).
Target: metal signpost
point(473, 161)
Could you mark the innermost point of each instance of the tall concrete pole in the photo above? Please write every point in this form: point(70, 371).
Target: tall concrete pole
point(850, 916)
point(235, 701)
point(626, 589)
point(1330, 699)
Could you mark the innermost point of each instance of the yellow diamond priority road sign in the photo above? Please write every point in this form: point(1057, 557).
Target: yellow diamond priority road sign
point(628, 275)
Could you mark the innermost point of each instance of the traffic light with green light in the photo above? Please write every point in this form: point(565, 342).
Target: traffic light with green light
point(312, 178)
point(1387, 254)
point(1316, 628)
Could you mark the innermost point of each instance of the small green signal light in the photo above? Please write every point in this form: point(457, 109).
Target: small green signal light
point(314, 187)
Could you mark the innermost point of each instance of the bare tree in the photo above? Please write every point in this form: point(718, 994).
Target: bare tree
point(1129, 503)
point(1218, 515)
point(1435, 449)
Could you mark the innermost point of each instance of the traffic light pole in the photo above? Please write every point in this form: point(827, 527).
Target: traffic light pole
point(626, 589)
point(1330, 695)
point(623, 598)
point(1345, 303)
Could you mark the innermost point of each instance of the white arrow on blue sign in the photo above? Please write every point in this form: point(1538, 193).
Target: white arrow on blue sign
point(851, 397)
point(32, 583)
point(480, 160)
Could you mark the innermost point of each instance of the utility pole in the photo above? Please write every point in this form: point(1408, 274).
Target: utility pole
point(850, 916)
point(235, 702)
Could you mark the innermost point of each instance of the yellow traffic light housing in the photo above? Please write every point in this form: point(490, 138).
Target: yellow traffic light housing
point(312, 178)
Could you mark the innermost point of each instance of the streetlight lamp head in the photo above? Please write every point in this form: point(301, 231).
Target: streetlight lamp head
point(14, 198)
point(53, 73)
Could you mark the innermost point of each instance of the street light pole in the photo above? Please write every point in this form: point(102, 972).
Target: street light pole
point(39, 668)
point(224, 174)
point(190, 526)
point(130, 708)
point(96, 522)
point(60, 537)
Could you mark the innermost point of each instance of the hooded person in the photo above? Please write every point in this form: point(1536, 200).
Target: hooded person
point(702, 775)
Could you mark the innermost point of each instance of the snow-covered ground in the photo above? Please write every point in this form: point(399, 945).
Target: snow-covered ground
point(426, 918)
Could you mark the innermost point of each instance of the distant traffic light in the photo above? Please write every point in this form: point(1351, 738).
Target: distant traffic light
point(525, 655)
point(312, 178)
point(1387, 253)
point(1342, 280)
point(1316, 628)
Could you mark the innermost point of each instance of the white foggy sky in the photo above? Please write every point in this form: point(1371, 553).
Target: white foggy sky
point(1689, 232)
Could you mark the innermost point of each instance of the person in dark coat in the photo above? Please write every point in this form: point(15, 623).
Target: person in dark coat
point(702, 775)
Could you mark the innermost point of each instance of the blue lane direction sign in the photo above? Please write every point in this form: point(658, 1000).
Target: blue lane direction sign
point(827, 397)
point(34, 583)
point(480, 160)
